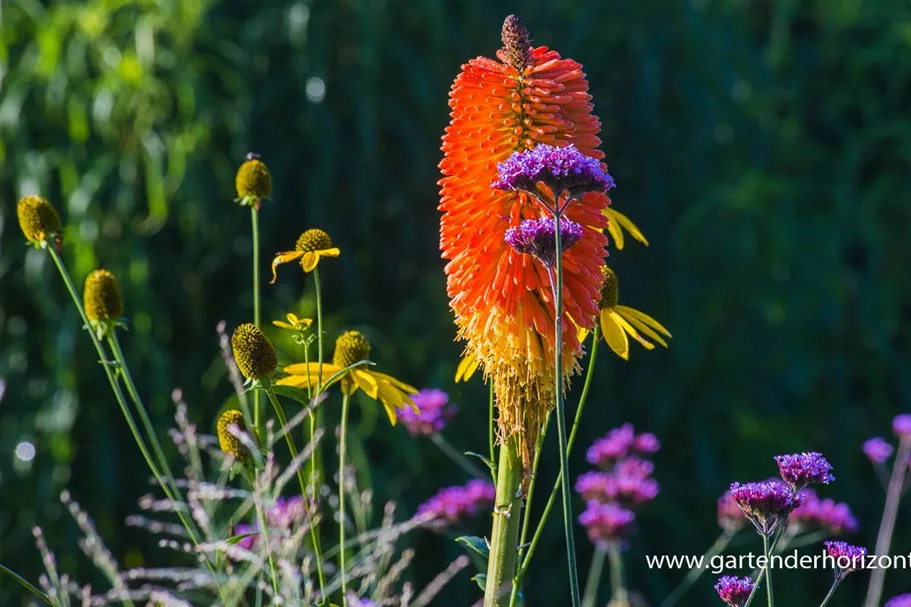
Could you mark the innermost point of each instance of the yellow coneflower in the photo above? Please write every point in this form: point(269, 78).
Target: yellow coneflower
point(103, 302)
point(616, 221)
point(39, 222)
point(351, 348)
point(294, 323)
point(229, 443)
point(253, 352)
point(619, 321)
point(253, 181)
point(310, 247)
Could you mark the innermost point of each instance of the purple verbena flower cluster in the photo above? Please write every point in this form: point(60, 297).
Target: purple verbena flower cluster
point(434, 411)
point(282, 519)
point(903, 600)
point(834, 517)
point(733, 590)
point(623, 482)
point(453, 504)
point(901, 426)
point(802, 469)
point(766, 504)
point(538, 237)
point(619, 444)
point(561, 169)
point(847, 557)
point(878, 450)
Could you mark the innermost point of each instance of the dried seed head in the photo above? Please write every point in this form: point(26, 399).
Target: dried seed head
point(229, 443)
point(39, 221)
point(253, 181)
point(253, 352)
point(101, 297)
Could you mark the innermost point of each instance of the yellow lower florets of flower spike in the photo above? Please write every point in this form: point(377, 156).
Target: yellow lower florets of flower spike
point(39, 221)
point(229, 443)
point(351, 347)
point(610, 289)
point(253, 181)
point(313, 240)
point(253, 352)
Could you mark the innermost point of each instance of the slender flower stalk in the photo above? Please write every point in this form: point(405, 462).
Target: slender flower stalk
point(768, 570)
point(457, 458)
point(590, 597)
point(887, 524)
point(695, 573)
point(342, 446)
point(831, 592)
point(259, 419)
point(618, 583)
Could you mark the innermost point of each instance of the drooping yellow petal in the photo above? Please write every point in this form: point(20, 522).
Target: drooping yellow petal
point(365, 382)
point(641, 326)
point(333, 252)
point(396, 383)
point(628, 328)
point(467, 366)
point(625, 222)
point(581, 334)
point(309, 261)
point(304, 368)
point(645, 318)
point(283, 258)
point(614, 335)
point(282, 324)
point(613, 228)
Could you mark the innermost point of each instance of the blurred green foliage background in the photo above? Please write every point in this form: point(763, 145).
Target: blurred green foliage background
point(762, 146)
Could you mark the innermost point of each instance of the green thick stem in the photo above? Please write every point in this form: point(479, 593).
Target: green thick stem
point(342, 445)
point(317, 549)
point(506, 518)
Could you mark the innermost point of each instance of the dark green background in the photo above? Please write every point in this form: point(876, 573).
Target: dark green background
point(762, 146)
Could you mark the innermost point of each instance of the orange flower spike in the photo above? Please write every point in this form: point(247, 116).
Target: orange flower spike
point(502, 299)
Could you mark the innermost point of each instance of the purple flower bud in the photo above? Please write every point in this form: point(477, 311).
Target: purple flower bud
point(646, 443)
point(538, 237)
point(901, 425)
point(847, 558)
point(452, 504)
point(878, 450)
point(734, 591)
point(434, 412)
point(801, 469)
point(606, 524)
point(561, 169)
point(766, 504)
point(249, 541)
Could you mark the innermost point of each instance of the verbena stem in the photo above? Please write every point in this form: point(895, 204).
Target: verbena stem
point(768, 569)
point(695, 573)
point(556, 283)
point(342, 444)
point(259, 420)
point(283, 420)
point(831, 592)
point(887, 525)
point(618, 584)
point(506, 518)
point(590, 597)
point(456, 456)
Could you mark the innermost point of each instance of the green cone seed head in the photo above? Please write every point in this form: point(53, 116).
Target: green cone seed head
point(351, 347)
point(313, 240)
point(39, 221)
point(610, 289)
point(253, 181)
point(101, 297)
point(253, 352)
point(229, 443)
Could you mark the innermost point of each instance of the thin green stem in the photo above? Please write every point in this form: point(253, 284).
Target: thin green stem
point(887, 524)
point(695, 573)
point(506, 518)
point(26, 584)
point(551, 500)
point(831, 592)
point(556, 283)
point(259, 420)
point(590, 596)
point(768, 570)
point(457, 457)
point(618, 584)
point(308, 508)
point(317, 467)
point(342, 445)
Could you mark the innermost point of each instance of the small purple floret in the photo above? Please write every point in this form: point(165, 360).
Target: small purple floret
point(434, 411)
point(878, 450)
point(453, 504)
point(801, 469)
point(606, 524)
point(847, 557)
point(538, 237)
point(903, 600)
point(734, 591)
point(901, 425)
point(834, 517)
point(562, 169)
